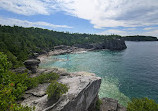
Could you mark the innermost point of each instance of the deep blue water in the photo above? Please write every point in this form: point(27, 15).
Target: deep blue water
point(125, 74)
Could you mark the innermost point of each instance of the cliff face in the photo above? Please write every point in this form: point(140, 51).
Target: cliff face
point(83, 89)
point(111, 44)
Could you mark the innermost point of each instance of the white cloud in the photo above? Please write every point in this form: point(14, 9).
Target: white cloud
point(150, 28)
point(152, 33)
point(25, 23)
point(100, 13)
point(25, 7)
point(131, 29)
point(126, 33)
point(113, 31)
point(113, 13)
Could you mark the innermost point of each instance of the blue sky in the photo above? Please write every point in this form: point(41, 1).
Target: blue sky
point(123, 17)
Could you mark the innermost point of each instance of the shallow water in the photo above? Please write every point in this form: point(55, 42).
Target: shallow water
point(125, 74)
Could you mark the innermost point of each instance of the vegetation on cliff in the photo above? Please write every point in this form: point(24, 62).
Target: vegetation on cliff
point(13, 86)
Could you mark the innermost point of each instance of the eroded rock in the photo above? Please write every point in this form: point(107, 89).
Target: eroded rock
point(83, 89)
point(32, 64)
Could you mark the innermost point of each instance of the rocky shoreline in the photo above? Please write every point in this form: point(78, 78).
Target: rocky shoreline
point(113, 44)
point(83, 86)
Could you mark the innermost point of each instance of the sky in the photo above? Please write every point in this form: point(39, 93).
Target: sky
point(122, 17)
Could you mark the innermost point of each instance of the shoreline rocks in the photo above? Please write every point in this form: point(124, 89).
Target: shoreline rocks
point(111, 44)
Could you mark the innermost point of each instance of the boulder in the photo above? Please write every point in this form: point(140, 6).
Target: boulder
point(32, 64)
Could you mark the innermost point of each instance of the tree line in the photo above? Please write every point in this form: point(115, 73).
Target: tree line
point(18, 43)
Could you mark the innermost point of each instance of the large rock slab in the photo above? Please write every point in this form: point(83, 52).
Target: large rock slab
point(83, 89)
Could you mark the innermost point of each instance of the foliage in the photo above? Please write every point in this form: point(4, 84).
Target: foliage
point(12, 85)
point(143, 104)
point(98, 103)
point(4, 64)
point(56, 89)
point(44, 78)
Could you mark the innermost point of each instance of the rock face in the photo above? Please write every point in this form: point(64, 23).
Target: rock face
point(32, 64)
point(109, 104)
point(115, 44)
point(83, 89)
point(111, 44)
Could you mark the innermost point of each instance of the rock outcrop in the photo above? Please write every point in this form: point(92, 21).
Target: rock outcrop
point(83, 89)
point(111, 44)
point(109, 104)
point(32, 64)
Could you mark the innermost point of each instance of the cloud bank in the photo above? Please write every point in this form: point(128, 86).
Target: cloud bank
point(100, 13)
point(25, 23)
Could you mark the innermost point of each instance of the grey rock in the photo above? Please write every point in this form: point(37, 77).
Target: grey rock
point(83, 89)
point(32, 64)
point(21, 70)
point(109, 104)
point(111, 44)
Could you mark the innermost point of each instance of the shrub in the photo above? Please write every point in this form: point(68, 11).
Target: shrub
point(4, 64)
point(44, 78)
point(98, 103)
point(56, 89)
point(143, 104)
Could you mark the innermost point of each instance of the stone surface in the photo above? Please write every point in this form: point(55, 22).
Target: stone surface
point(32, 64)
point(83, 89)
point(109, 104)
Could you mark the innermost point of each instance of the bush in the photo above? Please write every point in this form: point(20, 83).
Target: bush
point(44, 78)
point(98, 103)
point(143, 104)
point(56, 89)
point(4, 64)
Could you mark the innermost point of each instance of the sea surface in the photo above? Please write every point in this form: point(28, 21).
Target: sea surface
point(125, 74)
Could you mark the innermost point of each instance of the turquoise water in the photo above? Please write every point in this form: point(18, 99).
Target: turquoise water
point(125, 74)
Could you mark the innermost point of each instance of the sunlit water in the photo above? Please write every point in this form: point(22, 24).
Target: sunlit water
point(125, 74)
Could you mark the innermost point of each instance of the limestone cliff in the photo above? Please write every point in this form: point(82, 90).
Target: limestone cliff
point(83, 89)
point(111, 44)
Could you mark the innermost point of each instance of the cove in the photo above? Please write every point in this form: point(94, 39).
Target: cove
point(125, 74)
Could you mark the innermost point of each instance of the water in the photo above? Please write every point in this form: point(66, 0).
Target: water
point(125, 74)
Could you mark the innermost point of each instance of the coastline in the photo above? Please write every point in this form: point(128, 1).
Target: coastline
point(44, 57)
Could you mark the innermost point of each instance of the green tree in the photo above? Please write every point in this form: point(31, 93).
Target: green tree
point(142, 104)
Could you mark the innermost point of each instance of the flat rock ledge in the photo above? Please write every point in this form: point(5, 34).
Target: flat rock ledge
point(83, 89)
